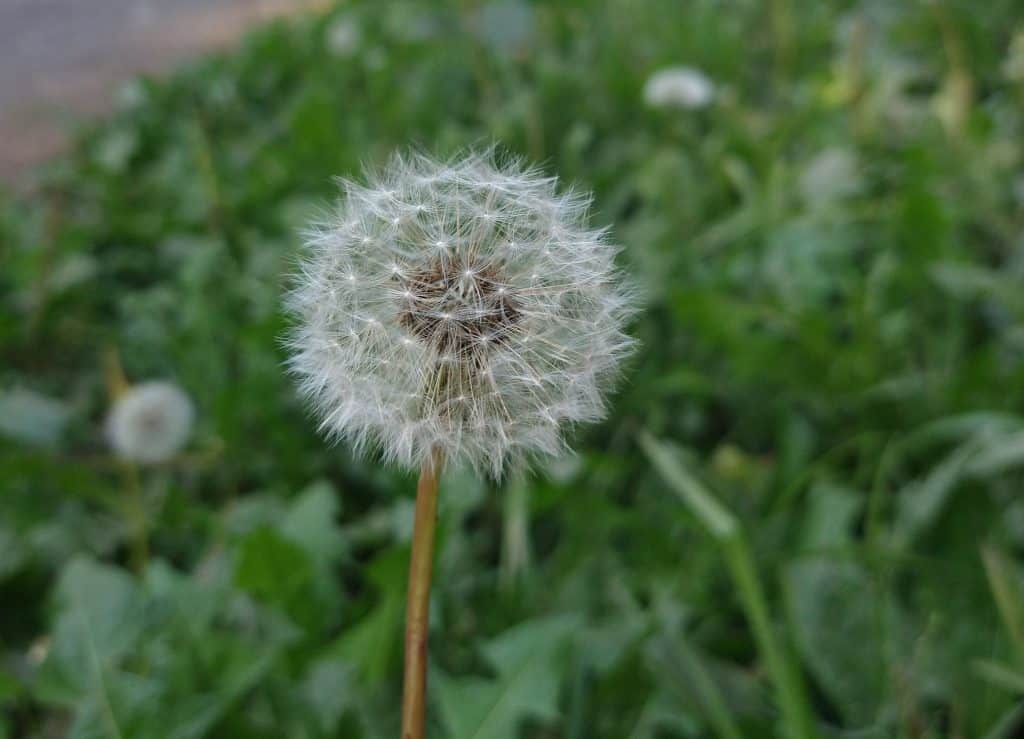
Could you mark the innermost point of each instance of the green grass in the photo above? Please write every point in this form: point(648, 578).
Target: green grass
point(802, 518)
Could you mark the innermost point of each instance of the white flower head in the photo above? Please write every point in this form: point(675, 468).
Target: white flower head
point(343, 36)
point(679, 87)
point(831, 175)
point(460, 306)
point(150, 422)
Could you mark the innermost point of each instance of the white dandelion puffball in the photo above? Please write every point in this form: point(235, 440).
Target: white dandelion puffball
point(831, 175)
point(343, 37)
point(679, 87)
point(464, 307)
point(150, 422)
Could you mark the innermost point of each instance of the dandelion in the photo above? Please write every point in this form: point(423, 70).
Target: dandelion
point(831, 175)
point(150, 422)
point(458, 307)
point(1013, 66)
point(679, 87)
point(343, 36)
point(458, 311)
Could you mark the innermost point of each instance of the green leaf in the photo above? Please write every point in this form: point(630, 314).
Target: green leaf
point(101, 618)
point(32, 418)
point(277, 571)
point(998, 455)
point(12, 551)
point(697, 686)
point(311, 522)
point(10, 687)
point(833, 611)
point(117, 709)
point(329, 690)
point(1003, 677)
point(718, 520)
point(831, 516)
point(526, 661)
point(374, 642)
point(1008, 592)
point(922, 501)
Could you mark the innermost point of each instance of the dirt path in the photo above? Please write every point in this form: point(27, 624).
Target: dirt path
point(62, 60)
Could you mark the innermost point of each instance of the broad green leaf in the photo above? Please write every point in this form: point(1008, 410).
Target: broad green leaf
point(330, 689)
point(117, 708)
point(278, 571)
point(10, 687)
point(998, 455)
point(32, 418)
point(698, 689)
point(662, 711)
point(311, 523)
point(526, 661)
point(102, 616)
point(374, 643)
point(831, 515)
point(832, 605)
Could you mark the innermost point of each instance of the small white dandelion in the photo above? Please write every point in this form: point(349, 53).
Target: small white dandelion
point(150, 422)
point(679, 87)
point(343, 36)
point(831, 175)
point(486, 344)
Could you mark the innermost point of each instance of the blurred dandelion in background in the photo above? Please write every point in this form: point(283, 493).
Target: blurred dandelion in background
point(831, 175)
point(343, 36)
point(679, 87)
point(149, 423)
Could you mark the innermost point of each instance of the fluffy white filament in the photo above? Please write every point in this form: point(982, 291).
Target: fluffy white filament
point(150, 422)
point(463, 305)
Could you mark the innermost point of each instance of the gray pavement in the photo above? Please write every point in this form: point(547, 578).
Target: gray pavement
point(62, 60)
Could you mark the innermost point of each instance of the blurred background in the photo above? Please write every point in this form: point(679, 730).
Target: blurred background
point(64, 60)
point(803, 517)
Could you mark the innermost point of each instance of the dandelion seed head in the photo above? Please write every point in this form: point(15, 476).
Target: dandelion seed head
point(503, 326)
point(150, 423)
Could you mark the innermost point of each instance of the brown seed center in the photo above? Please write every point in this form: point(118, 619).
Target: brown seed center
point(459, 308)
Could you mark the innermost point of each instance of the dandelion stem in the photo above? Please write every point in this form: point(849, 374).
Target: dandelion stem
point(137, 519)
point(414, 692)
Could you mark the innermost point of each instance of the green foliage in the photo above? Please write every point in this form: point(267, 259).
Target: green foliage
point(526, 661)
point(802, 516)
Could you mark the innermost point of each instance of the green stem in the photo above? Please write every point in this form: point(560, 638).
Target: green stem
point(136, 516)
point(515, 553)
